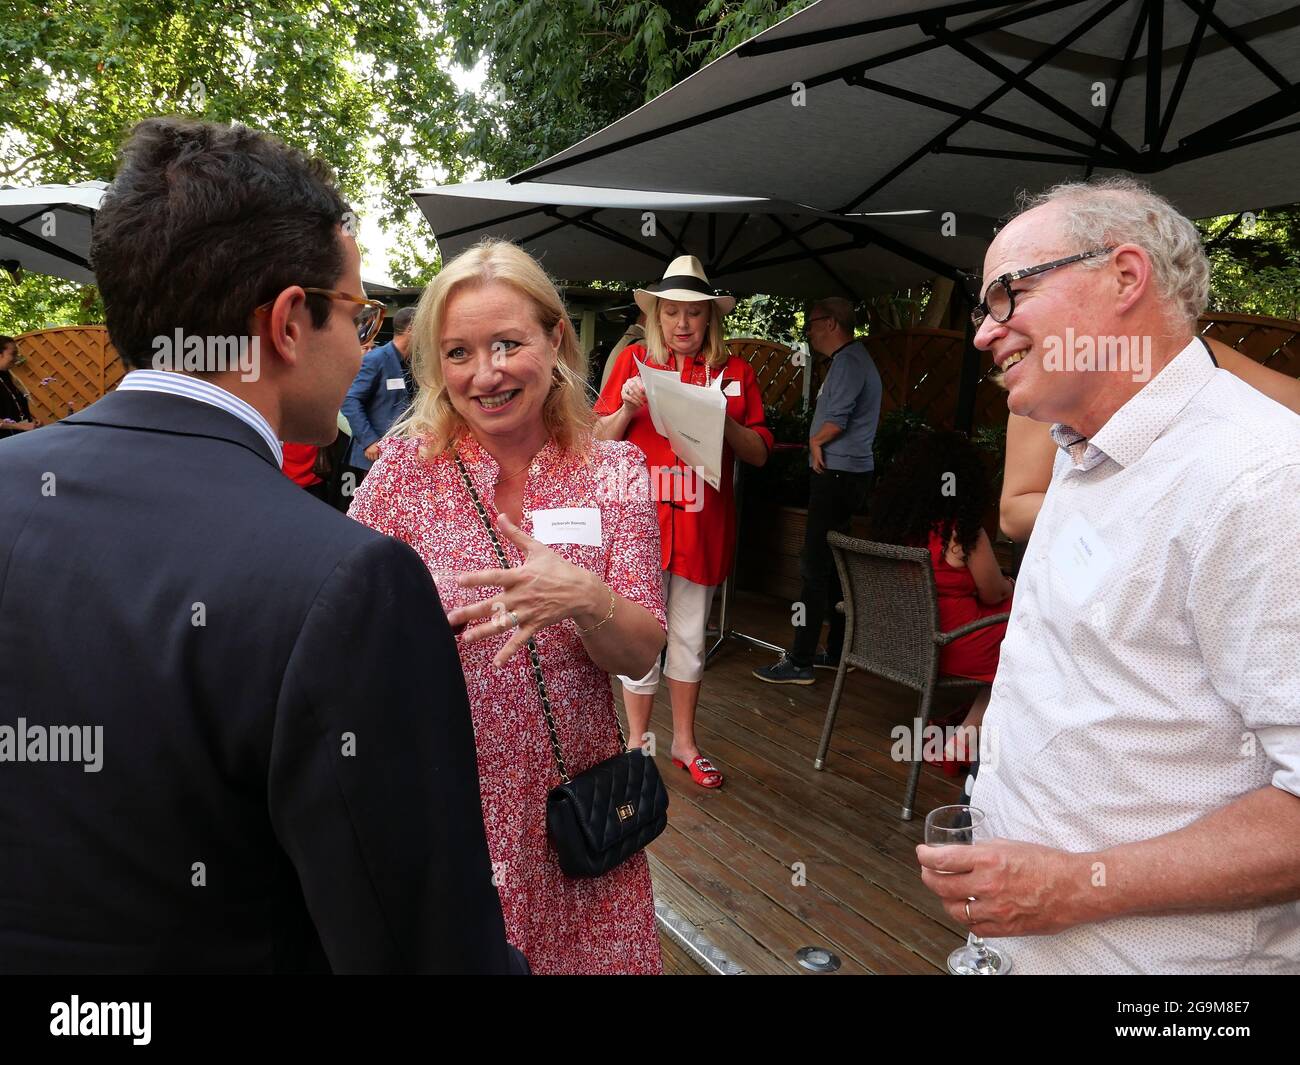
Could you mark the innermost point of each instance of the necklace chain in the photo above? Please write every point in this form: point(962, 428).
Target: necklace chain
point(690, 361)
point(506, 477)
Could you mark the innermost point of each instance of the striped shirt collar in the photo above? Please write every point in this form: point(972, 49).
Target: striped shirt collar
point(179, 384)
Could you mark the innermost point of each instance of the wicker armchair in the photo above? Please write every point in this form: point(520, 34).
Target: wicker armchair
point(892, 629)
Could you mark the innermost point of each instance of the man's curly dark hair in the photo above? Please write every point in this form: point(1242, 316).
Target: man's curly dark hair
point(938, 482)
point(205, 221)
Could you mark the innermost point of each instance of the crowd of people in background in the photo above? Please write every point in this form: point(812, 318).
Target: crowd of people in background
point(359, 726)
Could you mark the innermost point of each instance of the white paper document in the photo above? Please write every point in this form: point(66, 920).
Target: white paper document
point(691, 417)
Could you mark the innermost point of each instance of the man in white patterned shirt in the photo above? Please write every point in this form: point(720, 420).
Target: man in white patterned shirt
point(1146, 794)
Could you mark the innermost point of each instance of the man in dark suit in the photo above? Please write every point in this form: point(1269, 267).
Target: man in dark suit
point(195, 778)
point(380, 394)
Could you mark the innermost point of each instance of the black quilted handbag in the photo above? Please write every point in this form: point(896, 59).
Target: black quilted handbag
point(604, 815)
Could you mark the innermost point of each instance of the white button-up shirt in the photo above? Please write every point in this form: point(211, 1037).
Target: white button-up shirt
point(1151, 668)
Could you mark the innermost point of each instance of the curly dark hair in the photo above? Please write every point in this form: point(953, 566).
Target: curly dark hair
point(203, 223)
point(938, 482)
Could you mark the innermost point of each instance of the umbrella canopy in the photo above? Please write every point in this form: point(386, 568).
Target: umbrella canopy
point(747, 244)
point(955, 106)
point(45, 229)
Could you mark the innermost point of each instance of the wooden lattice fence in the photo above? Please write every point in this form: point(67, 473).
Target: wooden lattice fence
point(1271, 342)
point(66, 369)
point(779, 374)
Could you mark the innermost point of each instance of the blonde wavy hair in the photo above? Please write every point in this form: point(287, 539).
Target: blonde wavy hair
point(715, 342)
point(432, 418)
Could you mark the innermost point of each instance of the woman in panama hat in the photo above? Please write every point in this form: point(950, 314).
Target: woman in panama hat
point(697, 524)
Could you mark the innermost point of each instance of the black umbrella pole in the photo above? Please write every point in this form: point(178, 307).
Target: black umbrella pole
point(969, 383)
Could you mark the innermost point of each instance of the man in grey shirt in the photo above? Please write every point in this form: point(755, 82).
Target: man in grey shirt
point(843, 473)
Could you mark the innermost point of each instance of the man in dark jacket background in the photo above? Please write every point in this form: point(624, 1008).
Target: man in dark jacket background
point(191, 777)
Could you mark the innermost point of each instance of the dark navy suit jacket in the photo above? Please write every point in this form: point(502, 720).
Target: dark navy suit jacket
point(266, 802)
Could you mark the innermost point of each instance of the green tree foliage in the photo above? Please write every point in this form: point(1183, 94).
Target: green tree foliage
point(1256, 263)
point(366, 85)
point(559, 70)
point(362, 84)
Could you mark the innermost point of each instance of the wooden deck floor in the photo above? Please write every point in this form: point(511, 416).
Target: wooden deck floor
point(731, 860)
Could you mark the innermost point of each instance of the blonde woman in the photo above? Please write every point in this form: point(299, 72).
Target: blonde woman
point(501, 389)
point(697, 525)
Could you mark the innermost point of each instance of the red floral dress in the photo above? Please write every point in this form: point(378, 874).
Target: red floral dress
point(601, 925)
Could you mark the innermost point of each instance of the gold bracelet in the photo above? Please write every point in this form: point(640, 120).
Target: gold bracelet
point(587, 632)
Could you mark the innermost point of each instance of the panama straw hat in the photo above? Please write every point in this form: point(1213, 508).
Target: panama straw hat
point(684, 282)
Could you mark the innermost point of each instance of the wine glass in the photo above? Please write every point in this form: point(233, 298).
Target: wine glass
point(950, 826)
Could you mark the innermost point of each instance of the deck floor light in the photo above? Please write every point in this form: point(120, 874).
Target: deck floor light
point(817, 959)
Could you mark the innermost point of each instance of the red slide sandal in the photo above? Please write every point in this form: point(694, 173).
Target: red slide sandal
point(702, 772)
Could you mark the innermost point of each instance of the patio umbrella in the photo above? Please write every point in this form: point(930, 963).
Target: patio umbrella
point(954, 106)
point(45, 229)
point(747, 244)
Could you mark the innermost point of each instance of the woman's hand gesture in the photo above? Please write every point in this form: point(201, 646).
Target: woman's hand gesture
point(544, 590)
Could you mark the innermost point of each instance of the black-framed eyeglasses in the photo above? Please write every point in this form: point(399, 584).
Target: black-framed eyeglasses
point(367, 320)
point(999, 302)
point(820, 318)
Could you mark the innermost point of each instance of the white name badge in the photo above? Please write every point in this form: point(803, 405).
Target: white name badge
point(732, 388)
point(1080, 558)
point(394, 383)
point(567, 525)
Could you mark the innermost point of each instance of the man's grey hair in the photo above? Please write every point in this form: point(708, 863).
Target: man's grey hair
point(1121, 210)
point(840, 309)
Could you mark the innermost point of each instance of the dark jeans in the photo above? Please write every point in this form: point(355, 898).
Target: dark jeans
point(834, 497)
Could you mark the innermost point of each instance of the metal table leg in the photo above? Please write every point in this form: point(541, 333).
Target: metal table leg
point(725, 631)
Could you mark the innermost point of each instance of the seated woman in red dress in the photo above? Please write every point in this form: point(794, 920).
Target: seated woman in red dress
point(936, 495)
point(502, 390)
